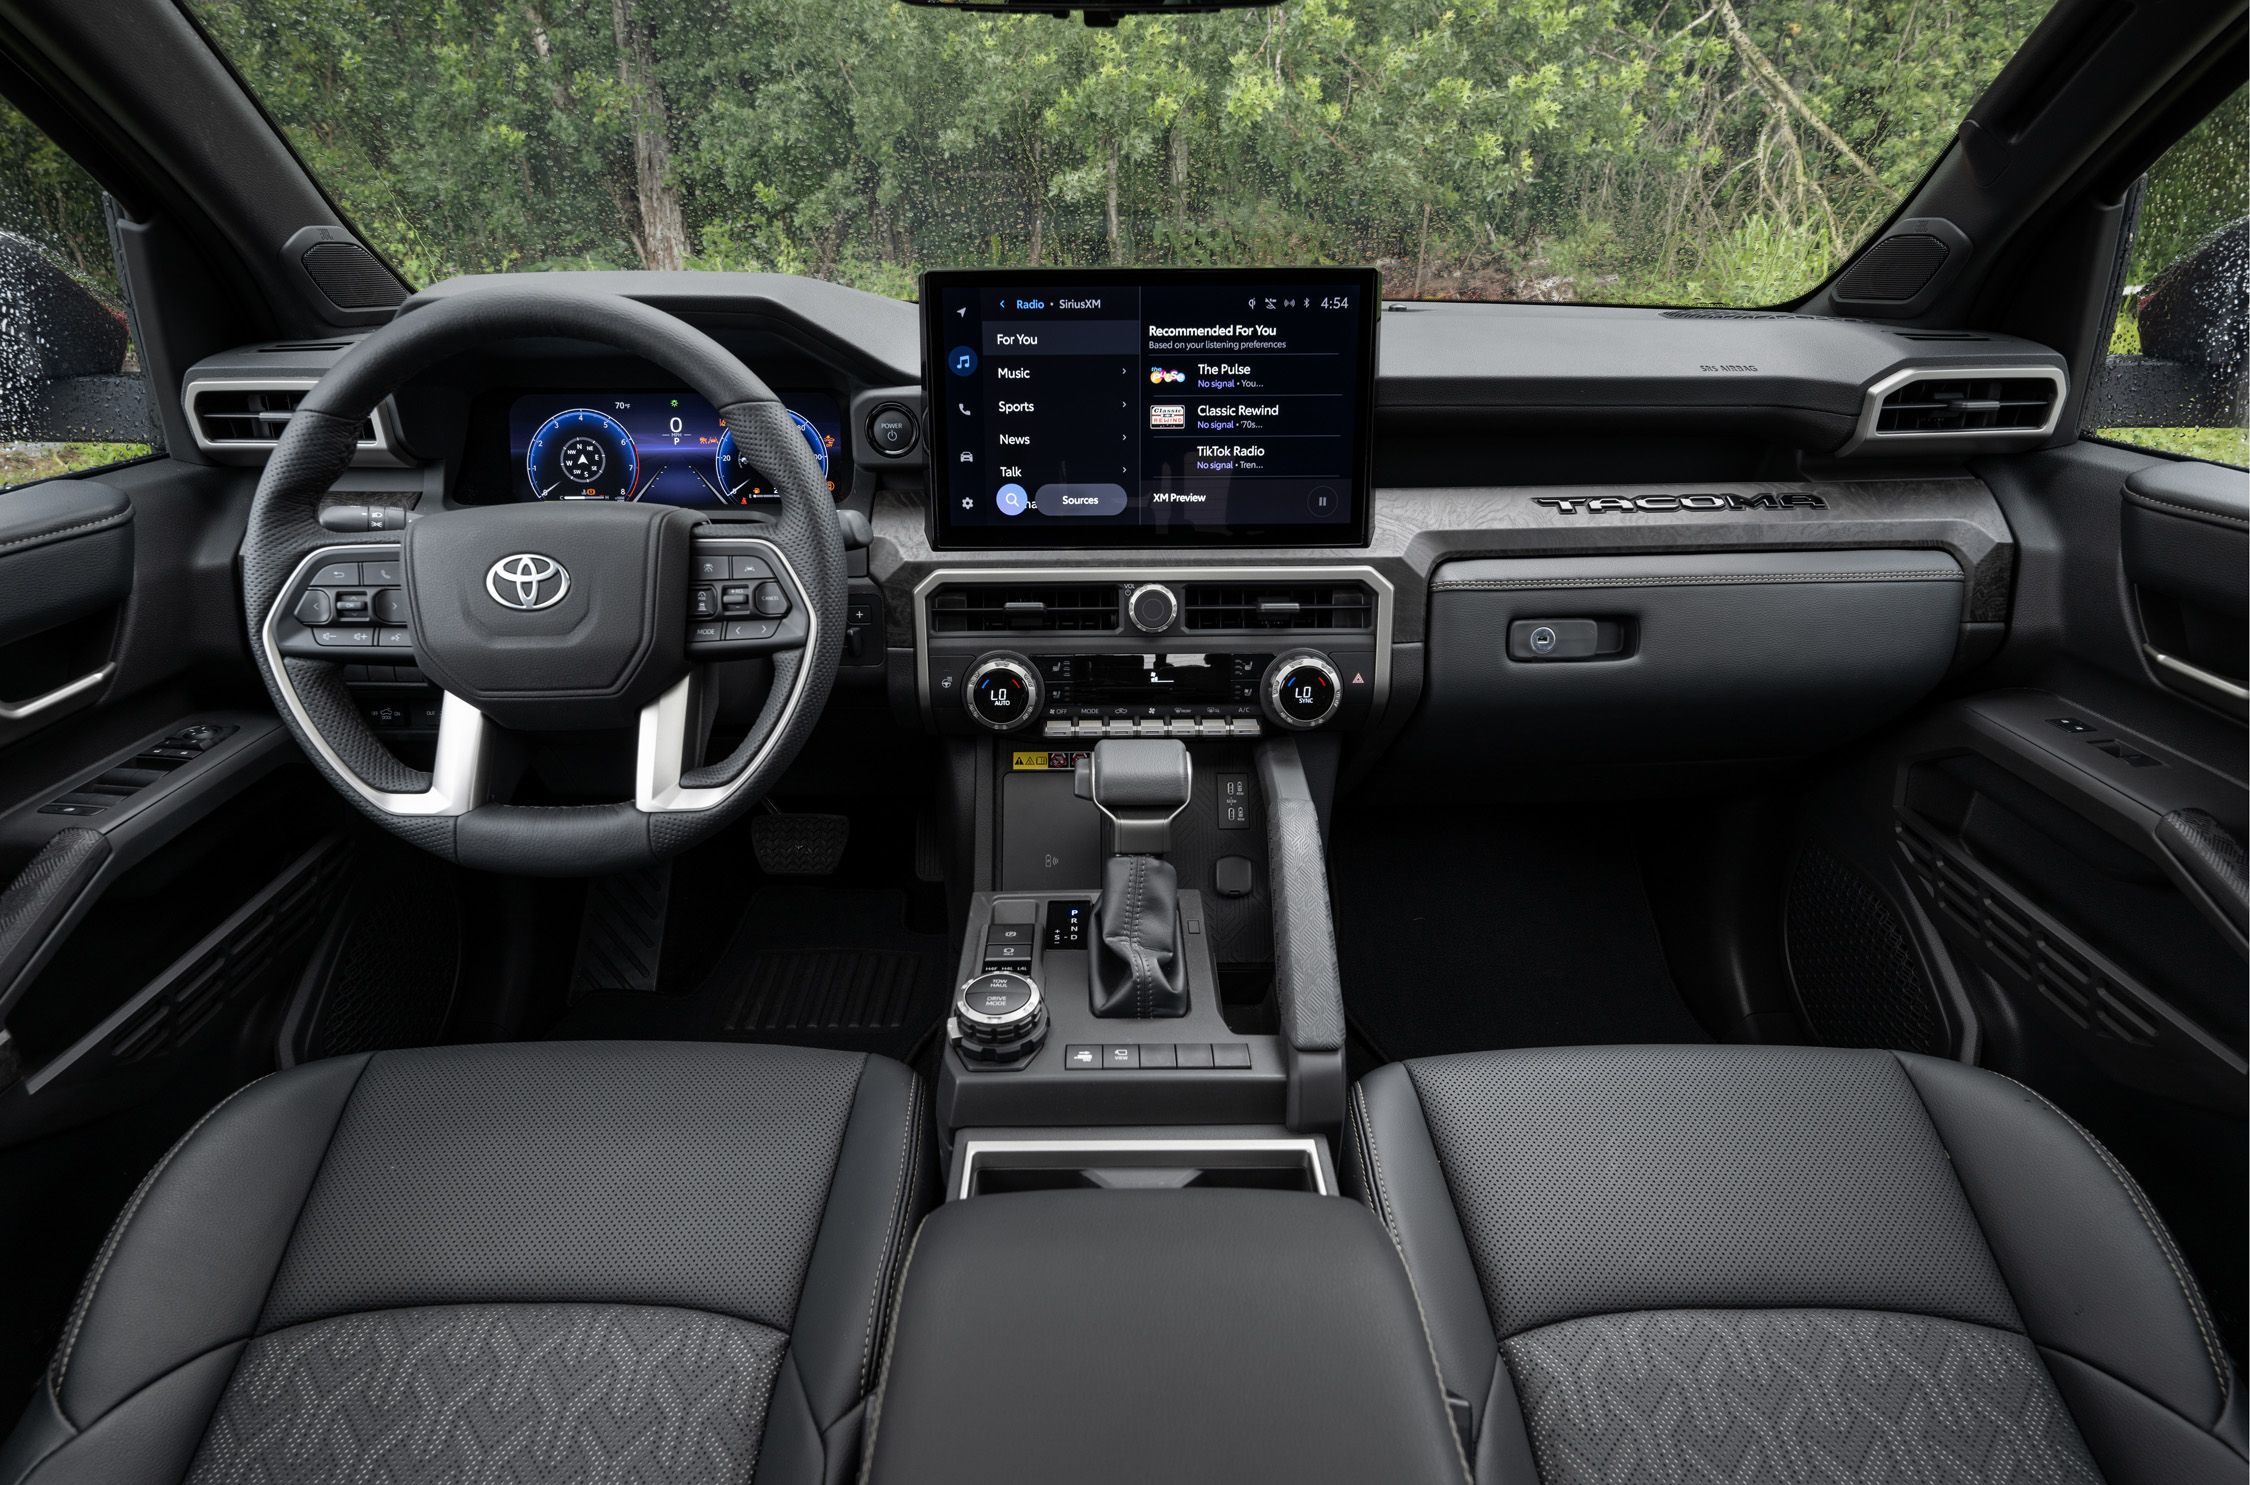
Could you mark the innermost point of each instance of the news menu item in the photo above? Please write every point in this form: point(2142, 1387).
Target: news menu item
point(1129, 409)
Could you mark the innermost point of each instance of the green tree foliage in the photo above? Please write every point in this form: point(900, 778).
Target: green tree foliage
point(1628, 150)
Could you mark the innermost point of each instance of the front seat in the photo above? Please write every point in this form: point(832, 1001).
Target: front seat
point(631, 1261)
point(1787, 1264)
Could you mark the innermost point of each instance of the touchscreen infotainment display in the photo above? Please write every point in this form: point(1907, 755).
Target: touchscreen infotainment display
point(1119, 408)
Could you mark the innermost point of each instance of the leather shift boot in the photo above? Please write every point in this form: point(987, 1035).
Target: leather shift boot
point(1137, 966)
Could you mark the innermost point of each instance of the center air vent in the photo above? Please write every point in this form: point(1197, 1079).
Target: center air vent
point(247, 415)
point(1016, 608)
point(1968, 404)
point(1326, 607)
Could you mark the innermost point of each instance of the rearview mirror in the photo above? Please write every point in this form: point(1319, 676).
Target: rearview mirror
point(1099, 12)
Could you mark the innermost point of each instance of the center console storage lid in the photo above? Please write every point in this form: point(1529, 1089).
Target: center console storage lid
point(1131, 1336)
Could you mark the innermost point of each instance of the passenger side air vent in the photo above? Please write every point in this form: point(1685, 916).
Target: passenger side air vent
point(1325, 607)
point(1016, 608)
point(246, 415)
point(1967, 404)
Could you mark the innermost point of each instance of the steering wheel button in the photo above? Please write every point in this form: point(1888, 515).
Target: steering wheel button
point(345, 638)
point(705, 603)
point(770, 600)
point(388, 573)
point(395, 639)
point(390, 605)
point(704, 634)
point(749, 567)
point(337, 575)
point(751, 629)
point(317, 607)
point(710, 569)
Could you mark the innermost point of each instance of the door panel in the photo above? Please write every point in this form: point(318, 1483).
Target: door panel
point(2058, 845)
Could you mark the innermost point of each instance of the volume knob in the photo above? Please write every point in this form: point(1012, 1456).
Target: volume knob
point(1152, 607)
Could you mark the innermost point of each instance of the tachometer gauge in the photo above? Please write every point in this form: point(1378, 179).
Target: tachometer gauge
point(743, 483)
point(582, 455)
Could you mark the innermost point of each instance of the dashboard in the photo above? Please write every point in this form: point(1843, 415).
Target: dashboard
point(1134, 502)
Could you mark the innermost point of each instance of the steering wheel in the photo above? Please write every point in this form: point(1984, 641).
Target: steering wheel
point(537, 620)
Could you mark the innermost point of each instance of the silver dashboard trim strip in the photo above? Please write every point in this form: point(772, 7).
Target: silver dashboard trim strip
point(1386, 599)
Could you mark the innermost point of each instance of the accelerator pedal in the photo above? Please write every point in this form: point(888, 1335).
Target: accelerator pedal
point(798, 845)
point(621, 937)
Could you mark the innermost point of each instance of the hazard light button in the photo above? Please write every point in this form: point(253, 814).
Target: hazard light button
point(1356, 670)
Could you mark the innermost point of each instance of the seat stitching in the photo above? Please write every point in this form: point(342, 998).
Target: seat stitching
point(890, 1348)
point(1429, 1343)
point(909, 1154)
point(1373, 1158)
point(2216, 517)
point(61, 1372)
point(40, 538)
point(2220, 1372)
point(1358, 1133)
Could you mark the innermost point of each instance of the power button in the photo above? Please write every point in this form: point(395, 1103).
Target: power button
point(892, 430)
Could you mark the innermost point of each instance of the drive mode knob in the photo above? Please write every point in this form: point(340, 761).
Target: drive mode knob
point(1003, 692)
point(1302, 690)
point(1152, 607)
point(999, 1017)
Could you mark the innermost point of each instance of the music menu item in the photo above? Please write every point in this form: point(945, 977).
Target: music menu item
point(1140, 408)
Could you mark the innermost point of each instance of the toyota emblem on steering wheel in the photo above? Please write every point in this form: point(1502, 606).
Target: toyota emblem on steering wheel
point(527, 581)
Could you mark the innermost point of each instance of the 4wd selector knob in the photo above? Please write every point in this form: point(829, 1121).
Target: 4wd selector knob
point(1152, 607)
point(1003, 691)
point(999, 1017)
point(1301, 690)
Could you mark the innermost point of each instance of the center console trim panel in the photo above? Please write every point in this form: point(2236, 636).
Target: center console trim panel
point(972, 1149)
point(1385, 608)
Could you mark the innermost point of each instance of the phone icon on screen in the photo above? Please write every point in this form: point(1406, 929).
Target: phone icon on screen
point(964, 409)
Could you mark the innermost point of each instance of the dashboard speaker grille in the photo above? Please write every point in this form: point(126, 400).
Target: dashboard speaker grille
point(1310, 607)
point(1017, 608)
point(1895, 269)
point(351, 276)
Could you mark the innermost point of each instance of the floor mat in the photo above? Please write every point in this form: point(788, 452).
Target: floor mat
point(806, 966)
point(1510, 928)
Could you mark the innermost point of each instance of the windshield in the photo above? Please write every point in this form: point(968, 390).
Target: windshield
point(1614, 151)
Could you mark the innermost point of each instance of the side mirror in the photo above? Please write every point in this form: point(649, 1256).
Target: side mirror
point(62, 355)
point(2193, 311)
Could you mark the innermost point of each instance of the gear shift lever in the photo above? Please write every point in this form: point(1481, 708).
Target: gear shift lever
point(1140, 784)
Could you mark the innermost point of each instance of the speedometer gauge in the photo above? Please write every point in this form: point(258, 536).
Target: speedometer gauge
point(742, 483)
point(582, 455)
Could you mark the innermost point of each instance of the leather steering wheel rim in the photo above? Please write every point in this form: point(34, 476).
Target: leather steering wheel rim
point(453, 819)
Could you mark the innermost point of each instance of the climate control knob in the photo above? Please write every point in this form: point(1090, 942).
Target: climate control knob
point(1301, 690)
point(1152, 607)
point(1003, 692)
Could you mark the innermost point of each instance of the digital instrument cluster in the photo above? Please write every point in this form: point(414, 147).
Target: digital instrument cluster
point(663, 446)
point(1125, 408)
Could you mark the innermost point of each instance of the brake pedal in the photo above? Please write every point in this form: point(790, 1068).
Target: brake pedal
point(789, 845)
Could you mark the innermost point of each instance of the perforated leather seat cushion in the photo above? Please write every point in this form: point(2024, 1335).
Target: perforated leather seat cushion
point(1776, 1263)
point(630, 1261)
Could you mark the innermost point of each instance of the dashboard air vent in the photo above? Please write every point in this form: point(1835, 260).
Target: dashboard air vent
point(1323, 606)
point(1995, 402)
point(247, 415)
point(1011, 608)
